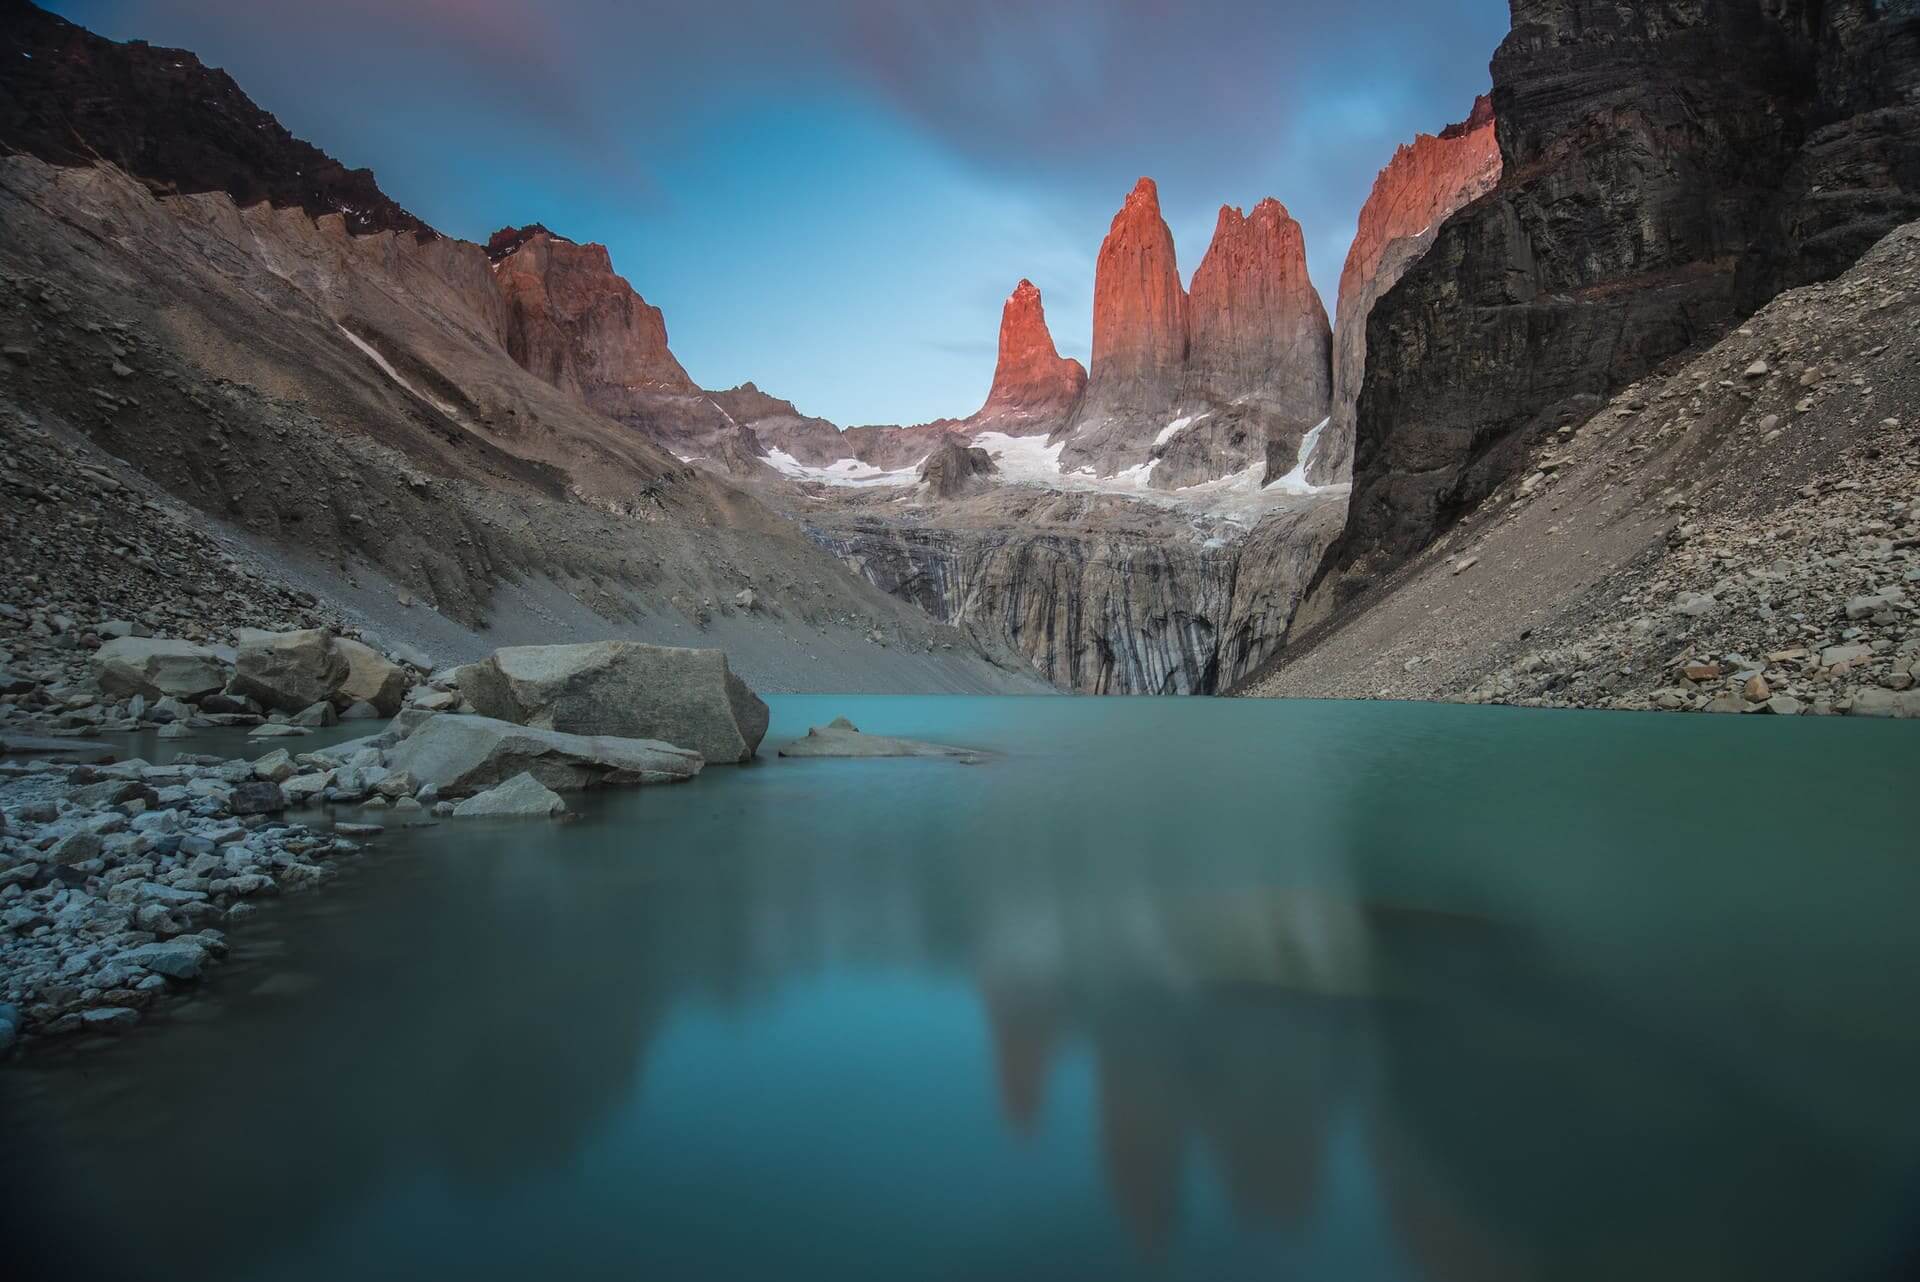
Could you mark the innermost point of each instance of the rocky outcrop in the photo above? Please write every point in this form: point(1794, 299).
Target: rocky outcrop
point(1425, 182)
point(1666, 168)
point(73, 98)
point(841, 738)
point(573, 323)
point(956, 468)
point(685, 697)
point(1034, 387)
point(1139, 337)
point(1259, 351)
point(1199, 386)
point(460, 755)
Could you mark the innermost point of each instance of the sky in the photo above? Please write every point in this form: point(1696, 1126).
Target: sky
point(832, 198)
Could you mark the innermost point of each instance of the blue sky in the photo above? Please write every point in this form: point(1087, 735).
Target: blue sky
point(832, 198)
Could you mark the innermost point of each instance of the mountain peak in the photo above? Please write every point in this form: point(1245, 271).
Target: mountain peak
point(1032, 382)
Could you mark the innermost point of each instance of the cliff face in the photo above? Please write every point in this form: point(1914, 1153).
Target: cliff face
point(1257, 376)
point(1256, 324)
point(1099, 595)
point(573, 323)
point(1139, 337)
point(1667, 167)
point(1207, 384)
point(70, 97)
point(1034, 387)
point(1425, 182)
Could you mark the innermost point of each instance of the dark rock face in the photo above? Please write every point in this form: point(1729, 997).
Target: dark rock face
point(1425, 181)
point(70, 97)
point(1667, 167)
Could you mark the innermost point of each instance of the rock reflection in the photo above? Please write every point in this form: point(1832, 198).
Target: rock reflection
point(1250, 1045)
point(1227, 1025)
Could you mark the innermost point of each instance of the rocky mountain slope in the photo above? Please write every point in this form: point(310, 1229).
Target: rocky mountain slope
point(73, 98)
point(1667, 168)
point(1739, 533)
point(349, 404)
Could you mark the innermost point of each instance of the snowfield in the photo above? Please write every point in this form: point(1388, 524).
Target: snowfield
point(1031, 461)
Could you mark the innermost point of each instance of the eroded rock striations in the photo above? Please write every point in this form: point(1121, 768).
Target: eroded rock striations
point(1667, 168)
point(1427, 180)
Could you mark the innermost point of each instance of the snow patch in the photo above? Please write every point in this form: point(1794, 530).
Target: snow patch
point(1176, 427)
point(392, 373)
point(1295, 482)
point(846, 471)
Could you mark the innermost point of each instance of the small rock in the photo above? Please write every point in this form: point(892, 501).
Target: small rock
point(521, 797)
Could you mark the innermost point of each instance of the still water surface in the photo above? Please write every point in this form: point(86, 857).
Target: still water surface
point(1188, 989)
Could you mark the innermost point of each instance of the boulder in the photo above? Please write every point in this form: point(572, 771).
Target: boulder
point(413, 655)
point(521, 797)
point(1886, 703)
point(461, 755)
point(159, 667)
point(621, 688)
point(259, 797)
point(318, 716)
point(290, 671)
point(841, 738)
point(176, 958)
point(275, 767)
point(370, 678)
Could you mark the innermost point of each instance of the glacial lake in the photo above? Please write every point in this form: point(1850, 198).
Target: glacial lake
point(1196, 989)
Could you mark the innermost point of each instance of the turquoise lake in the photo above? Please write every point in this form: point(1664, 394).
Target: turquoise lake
point(1166, 989)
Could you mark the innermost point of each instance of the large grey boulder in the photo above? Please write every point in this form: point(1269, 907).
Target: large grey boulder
point(158, 668)
point(681, 696)
point(521, 797)
point(462, 754)
point(289, 671)
point(371, 678)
